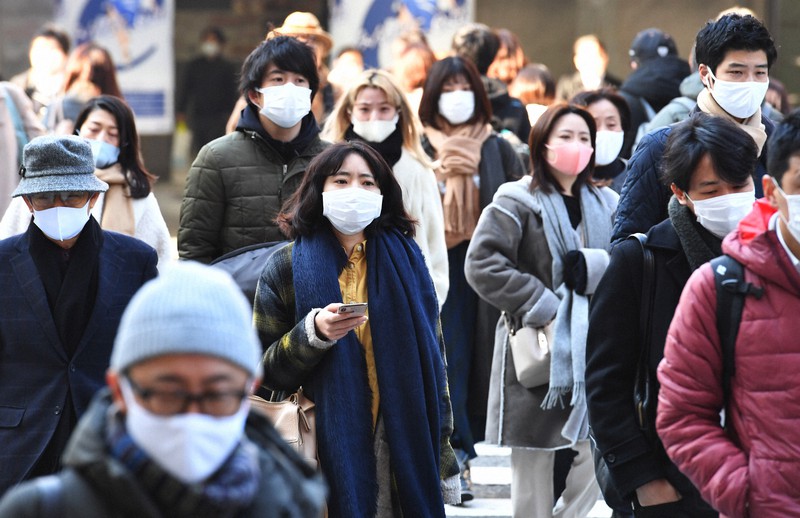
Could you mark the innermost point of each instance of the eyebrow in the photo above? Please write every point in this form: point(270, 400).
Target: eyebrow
point(173, 378)
point(742, 65)
point(348, 174)
point(708, 183)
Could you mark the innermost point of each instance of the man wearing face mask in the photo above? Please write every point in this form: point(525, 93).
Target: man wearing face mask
point(173, 434)
point(708, 165)
point(749, 468)
point(734, 55)
point(238, 183)
point(208, 90)
point(65, 283)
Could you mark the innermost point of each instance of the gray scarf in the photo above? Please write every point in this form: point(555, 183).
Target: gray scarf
point(568, 352)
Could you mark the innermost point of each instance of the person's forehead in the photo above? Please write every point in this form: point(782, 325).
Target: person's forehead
point(745, 57)
point(188, 367)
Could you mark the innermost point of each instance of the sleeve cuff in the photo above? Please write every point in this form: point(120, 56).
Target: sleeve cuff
point(451, 490)
point(597, 261)
point(311, 332)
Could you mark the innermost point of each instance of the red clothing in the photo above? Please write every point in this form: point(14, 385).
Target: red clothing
point(756, 471)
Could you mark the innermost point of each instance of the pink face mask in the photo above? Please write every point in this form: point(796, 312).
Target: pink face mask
point(570, 158)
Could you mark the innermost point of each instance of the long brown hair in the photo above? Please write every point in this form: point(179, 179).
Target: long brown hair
point(93, 63)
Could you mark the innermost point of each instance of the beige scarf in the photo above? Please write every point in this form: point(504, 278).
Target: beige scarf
point(458, 153)
point(752, 125)
point(117, 204)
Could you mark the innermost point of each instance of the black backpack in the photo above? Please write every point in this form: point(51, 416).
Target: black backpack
point(245, 264)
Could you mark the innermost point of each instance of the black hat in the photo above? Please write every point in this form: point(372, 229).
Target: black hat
point(652, 43)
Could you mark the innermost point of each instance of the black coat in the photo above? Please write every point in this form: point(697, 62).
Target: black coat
point(612, 354)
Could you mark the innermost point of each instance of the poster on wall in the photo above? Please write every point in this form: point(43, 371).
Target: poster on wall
point(138, 35)
point(373, 25)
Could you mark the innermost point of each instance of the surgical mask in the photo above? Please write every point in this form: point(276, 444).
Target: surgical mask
point(793, 221)
point(608, 144)
point(285, 105)
point(721, 214)
point(351, 210)
point(570, 158)
point(457, 107)
point(191, 446)
point(105, 154)
point(375, 131)
point(61, 223)
point(739, 99)
point(210, 49)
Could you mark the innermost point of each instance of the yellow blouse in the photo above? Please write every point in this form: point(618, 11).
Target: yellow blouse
point(353, 283)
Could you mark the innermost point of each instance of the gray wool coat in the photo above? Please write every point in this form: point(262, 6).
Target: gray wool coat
point(509, 265)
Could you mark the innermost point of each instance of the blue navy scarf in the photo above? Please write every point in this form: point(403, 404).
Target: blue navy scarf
point(410, 369)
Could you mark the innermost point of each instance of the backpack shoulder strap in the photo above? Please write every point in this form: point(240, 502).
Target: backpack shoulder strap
point(731, 292)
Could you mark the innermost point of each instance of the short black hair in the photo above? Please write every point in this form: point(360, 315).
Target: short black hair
point(733, 152)
point(477, 43)
point(56, 33)
point(784, 143)
point(590, 97)
point(732, 32)
point(216, 32)
point(440, 72)
point(287, 53)
point(301, 215)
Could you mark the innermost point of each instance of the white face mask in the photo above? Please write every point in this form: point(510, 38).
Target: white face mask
point(351, 210)
point(285, 105)
point(105, 155)
point(190, 447)
point(739, 99)
point(375, 131)
point(792, 222)
point(721, 214)
point(457, 107)
point(61, 223)
point(607, 146)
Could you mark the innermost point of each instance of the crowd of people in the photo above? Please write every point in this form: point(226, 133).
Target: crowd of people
point(411, 227)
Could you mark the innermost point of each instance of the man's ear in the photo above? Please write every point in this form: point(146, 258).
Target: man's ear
point(679, 194)
point(93, 200)
point(768, 185)
point(112, 380)
point(254, 97)
point(705, 76)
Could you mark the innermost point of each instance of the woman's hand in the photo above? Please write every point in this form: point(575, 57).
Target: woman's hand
point(330, 325)
point(656, 492)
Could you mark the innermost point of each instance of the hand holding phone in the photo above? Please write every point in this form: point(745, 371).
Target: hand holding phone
point(354, 308)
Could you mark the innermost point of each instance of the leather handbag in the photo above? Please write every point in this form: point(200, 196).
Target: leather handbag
point(530, 350)
point(293, 418)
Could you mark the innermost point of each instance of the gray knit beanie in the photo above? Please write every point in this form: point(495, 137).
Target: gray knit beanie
point(189, 309)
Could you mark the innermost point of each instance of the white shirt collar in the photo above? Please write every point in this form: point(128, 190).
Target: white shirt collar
point(773, 225)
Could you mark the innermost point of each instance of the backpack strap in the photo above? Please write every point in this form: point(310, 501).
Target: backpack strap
point(731, 292)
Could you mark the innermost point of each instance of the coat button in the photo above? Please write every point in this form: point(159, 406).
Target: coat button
point(351, 265)
point(57, 410)
point(72, 367)
point(611, 458)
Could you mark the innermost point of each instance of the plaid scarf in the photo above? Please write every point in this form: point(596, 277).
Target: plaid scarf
point(231, 489)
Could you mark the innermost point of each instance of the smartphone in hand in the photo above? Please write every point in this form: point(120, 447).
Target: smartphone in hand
point(354, 308)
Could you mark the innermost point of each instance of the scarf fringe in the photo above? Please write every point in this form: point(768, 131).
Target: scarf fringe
point(555, 397)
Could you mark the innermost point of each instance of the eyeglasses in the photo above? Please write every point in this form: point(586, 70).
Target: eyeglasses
point(46, 200)
point(163, 402)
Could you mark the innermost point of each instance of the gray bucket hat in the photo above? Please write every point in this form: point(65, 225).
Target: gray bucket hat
point(58, 163)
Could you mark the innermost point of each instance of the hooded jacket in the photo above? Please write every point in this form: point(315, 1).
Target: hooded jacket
point(753, 468)
point(237, 185)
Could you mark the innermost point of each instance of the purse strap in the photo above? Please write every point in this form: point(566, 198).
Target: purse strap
point(645, 329)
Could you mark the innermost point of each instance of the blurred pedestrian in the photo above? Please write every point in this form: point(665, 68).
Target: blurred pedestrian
point(90, 72)
point(237, 184)
point(537, 254)
point(591, 63)
point(376, 111)
point(43, 81)
point(473, 162)
point(379, 385)
point(708, 164)
point(65, 284)
point(749, 467)
point(510, 57)
point(172, 435)
point(411, 69)
point(208, 90)
point(129, 206)
point(347, 67)
point(535, 87)
point(734, 56)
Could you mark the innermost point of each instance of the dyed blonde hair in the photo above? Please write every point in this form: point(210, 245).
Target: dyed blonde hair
point(408, 122)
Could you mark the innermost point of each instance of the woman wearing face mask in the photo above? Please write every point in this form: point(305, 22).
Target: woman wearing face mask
point(708, 164)
point(537, 254)
point(129, 206)
point(376, 111)
point(473, 162)
point(383, 412)
point(612, 118)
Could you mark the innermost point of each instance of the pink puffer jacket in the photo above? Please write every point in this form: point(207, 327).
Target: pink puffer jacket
point(756, 471)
